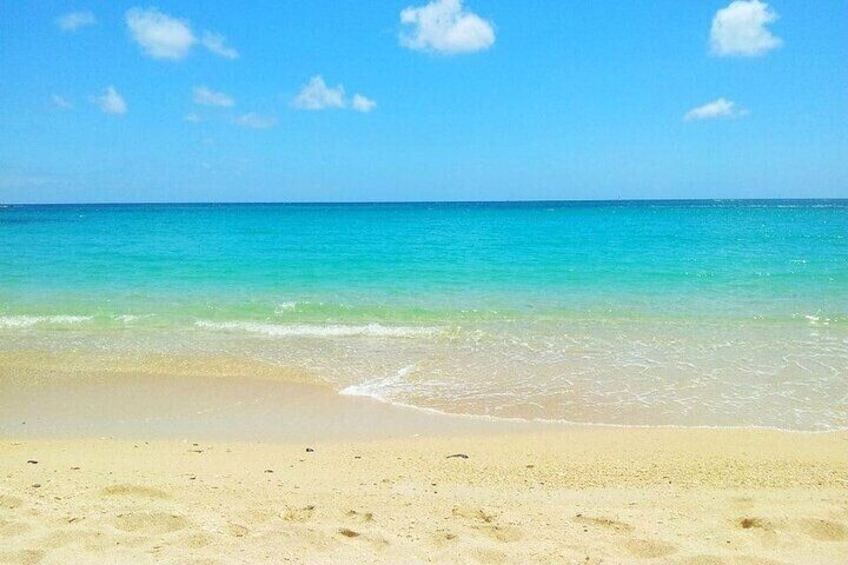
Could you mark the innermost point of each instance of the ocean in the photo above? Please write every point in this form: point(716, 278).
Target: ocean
point(682, 313)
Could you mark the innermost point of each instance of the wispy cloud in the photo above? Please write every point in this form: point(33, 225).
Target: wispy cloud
point(316, 95)
point(721, 108)
point(255, 121)
point(216, 43)
point(740, 29)
point(75, 20)
point(61, 102)
point(162, 36)
point(443, 26)
point(208, 97)
point(110, 102)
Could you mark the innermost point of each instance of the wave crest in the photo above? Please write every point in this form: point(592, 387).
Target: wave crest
point(321, 331)
point(29, 321)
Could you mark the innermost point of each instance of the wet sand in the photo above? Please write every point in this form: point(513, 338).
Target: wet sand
point(117, 466)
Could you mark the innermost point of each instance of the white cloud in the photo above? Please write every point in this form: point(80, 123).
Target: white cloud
point(75, 20)
point(216, 43)
point(110, 102)
point(166, 37)
point(61, 102)
point(740, 29)
point(208, 97)
point(256, 121)
point(316, 95)
point(444, 27)
point(192, 117)
point(362, 104)
point(160, 35)
point(721, 108)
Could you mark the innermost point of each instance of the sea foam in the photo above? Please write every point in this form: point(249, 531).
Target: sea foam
point(321, 331)
point(28, 321)
point(378, 389)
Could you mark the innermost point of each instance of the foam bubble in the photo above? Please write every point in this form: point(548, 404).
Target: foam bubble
point(321, 331)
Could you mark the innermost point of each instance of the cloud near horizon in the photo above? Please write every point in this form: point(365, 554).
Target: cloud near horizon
point(443, 26)
point(740, 30)
point(165, 37)
point(111, 102)
point(316, 95)
point(75, 20)
point(720, 108)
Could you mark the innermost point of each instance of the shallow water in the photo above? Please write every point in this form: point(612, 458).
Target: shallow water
point(654, 313)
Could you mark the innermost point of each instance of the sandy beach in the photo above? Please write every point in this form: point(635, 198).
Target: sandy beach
point(113, 466)
point(426, 282)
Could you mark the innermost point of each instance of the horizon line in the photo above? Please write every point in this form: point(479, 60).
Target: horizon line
point(401, 202)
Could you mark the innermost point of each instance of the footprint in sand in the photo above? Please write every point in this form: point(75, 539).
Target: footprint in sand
point(303, 514)
point(376, 542)
point(135, 491)
point(648, 549)
point(443, 537)
point(237, 530)
point(10, 502)
point(703, 560)
point(487, 524)
point(150, 522)
point(348, 533)
point(10, 529)
point(259, 515)
point(603, 522)
point(194, 541)
point(824, 530)
point(360, 516)
point(91, 539)
point(754, 523)
point(23, 557)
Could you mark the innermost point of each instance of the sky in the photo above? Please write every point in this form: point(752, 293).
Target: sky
point(336, 100)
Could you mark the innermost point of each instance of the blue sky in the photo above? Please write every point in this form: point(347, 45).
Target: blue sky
point(335, 100)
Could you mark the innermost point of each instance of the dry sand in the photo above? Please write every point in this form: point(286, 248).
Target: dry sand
point(120, 467)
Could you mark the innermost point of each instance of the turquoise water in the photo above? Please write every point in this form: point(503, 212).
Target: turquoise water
point(681, 313)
